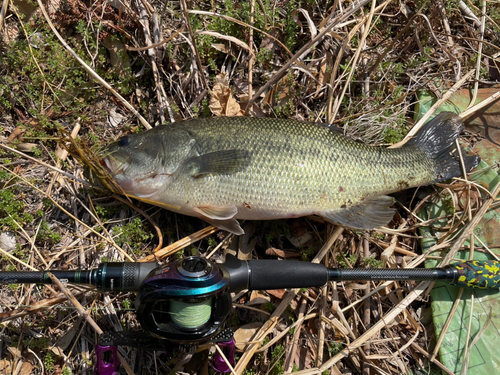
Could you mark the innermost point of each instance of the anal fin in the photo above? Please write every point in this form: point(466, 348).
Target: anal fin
point(370, 213)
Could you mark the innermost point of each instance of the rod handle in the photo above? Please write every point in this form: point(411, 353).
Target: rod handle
point(482, 274)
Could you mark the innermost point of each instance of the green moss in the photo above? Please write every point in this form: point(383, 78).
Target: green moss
point(134, 234)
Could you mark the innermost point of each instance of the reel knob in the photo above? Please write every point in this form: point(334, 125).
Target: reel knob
point(194, 267)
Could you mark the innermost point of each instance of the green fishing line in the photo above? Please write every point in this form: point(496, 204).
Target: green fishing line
point(191, 314)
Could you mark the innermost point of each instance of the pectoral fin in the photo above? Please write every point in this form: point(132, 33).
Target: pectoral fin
point(220, 162)
point(370, 213)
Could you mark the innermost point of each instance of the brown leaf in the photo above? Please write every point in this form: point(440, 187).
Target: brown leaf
point(5, 367)
point(278, 293)
point(26, 368)
point(258, 298)
point(222, 101)
point(245, 333)
point(16, 134)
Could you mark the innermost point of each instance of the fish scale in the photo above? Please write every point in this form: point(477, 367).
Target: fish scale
point(221, 169)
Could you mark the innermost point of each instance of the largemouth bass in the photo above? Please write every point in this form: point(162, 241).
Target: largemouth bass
point(223, 169)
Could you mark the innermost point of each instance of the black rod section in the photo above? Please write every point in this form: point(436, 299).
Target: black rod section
point(378, 274)
point(108, 277)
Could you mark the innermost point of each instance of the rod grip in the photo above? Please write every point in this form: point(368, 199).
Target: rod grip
point(483, 274)
point(278, 274)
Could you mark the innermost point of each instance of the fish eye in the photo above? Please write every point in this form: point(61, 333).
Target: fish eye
point(124, 141)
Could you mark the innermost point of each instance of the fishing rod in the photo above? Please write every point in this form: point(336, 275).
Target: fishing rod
point(186, 303)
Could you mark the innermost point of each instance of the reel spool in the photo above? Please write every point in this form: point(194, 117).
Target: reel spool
point(185, 301)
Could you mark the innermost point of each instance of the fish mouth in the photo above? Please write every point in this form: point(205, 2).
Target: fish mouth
point(115, 166)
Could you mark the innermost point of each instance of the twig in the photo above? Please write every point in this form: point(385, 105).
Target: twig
point(227, 18)
point(431, 110)
point(35, 160)
point(355, 58)
point(90, 70)
point(181, 244)
point(159, 44)
point(447, 324)
point(284, 69)
point(468, 13)
point(480, 105)
point(435, 361)
point(191, 34)
point(386, 319)
point(5, 4)
point(144, 21)
point(273, 320)
point(83, 313)
point(367, 305)
point(295, 340)
point(479, 56)
point(149, 218)
point(250, 44)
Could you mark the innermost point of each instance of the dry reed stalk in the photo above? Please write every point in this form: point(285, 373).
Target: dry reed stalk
point(273, 320)
point(368, 20)
point(479, 55)
point(290, 359)
point(195, 48)
point(83, 313)
point(3, 12)
point(467, 13)
point(480, 105)
point(30, 158)
point(367, 304)
point(284, 69)
point(241, 23)
point(447, 324)
point(149, 218)
point(280, 335)
point(181, 244)
point(90, 70)
point(361, 340)
point(465, 362)
point(469, 228)
point(435, 361)
point(250, 44)
point(431, 110)
point(322, 318)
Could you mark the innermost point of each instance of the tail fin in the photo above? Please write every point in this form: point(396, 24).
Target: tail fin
point(437, 138)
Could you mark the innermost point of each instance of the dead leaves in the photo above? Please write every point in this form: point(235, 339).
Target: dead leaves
point(222, 101)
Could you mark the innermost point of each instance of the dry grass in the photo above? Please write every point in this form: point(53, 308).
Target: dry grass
point(145, 63)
